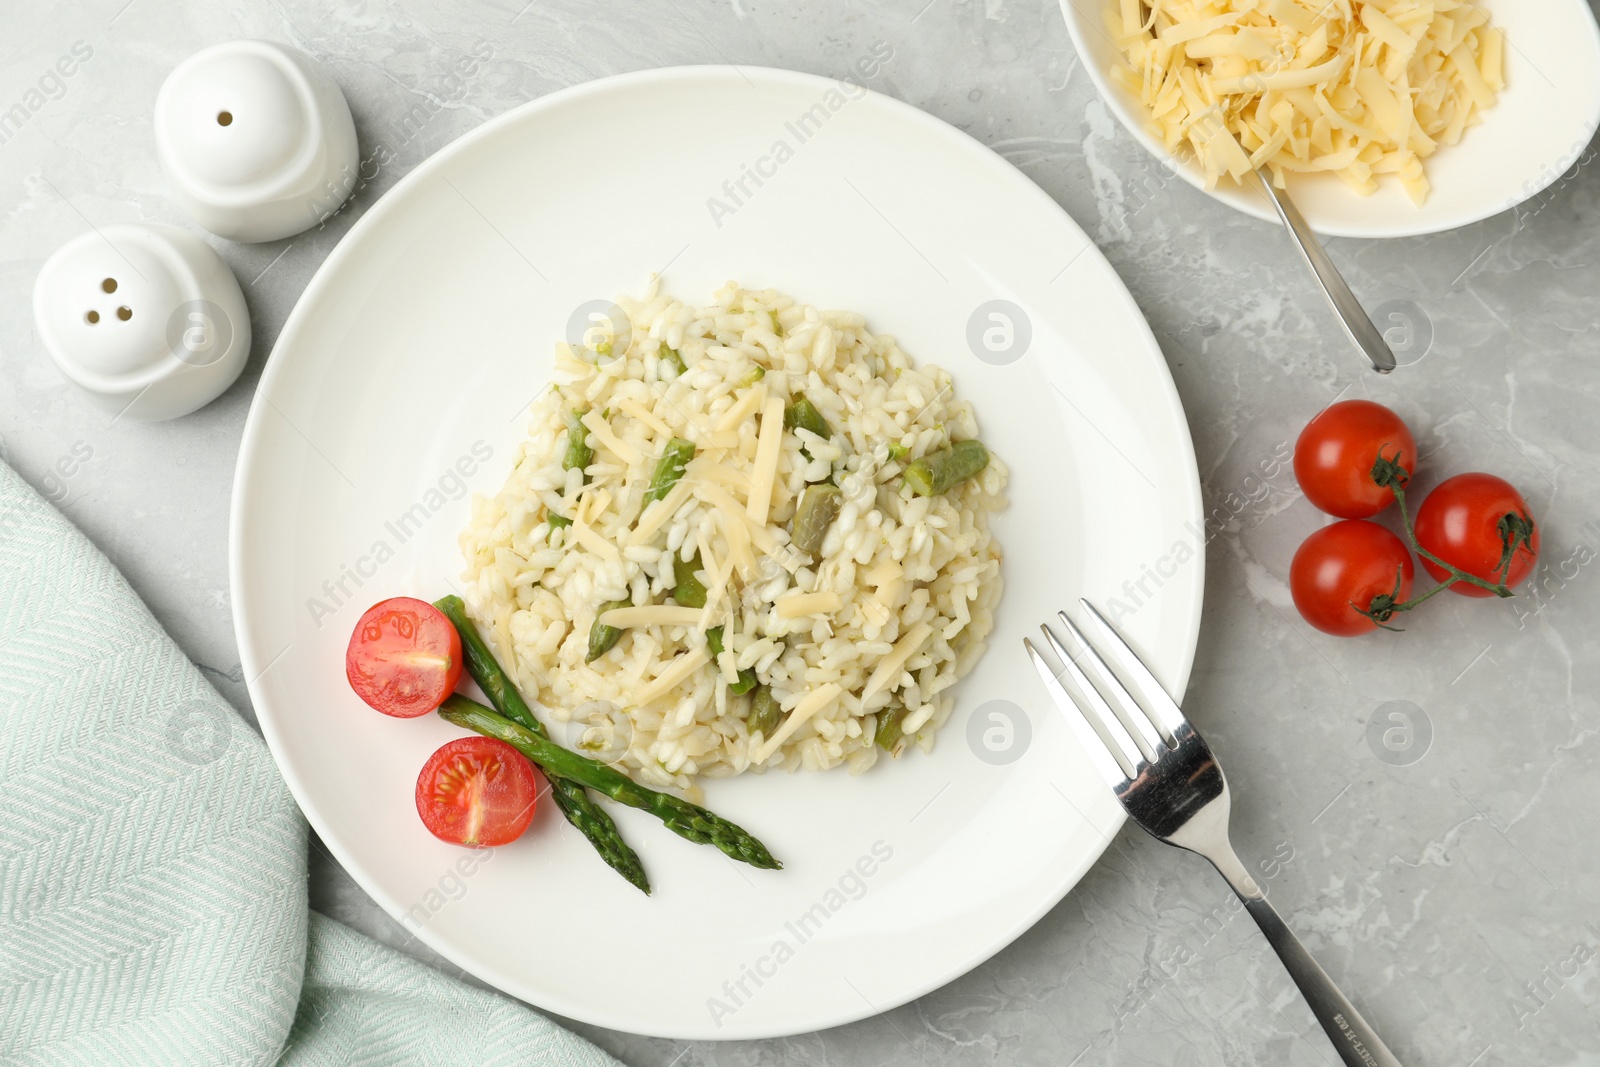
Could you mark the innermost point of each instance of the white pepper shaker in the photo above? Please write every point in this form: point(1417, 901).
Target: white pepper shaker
point(256, 140)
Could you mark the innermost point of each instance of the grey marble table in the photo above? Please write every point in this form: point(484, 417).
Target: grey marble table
point(1442, 863)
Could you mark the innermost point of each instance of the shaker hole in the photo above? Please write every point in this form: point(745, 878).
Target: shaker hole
point(92, 317)
point(109, 285)
point(224, 118)
point(124, 313)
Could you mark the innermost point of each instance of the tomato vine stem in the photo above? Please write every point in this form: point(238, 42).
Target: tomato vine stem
point(1515, 531)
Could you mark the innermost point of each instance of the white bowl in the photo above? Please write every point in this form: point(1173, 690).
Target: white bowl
point(1541, 123)
point(256, 140)
point(148, 320)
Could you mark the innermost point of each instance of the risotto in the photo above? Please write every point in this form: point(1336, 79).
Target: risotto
point(741, 536)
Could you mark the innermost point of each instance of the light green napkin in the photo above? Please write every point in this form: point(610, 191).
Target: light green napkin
point(153, 864)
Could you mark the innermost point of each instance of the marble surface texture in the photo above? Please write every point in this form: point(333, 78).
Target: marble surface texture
point(1446, 880)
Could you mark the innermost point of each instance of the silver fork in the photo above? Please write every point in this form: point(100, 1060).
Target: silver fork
point(1164, 775)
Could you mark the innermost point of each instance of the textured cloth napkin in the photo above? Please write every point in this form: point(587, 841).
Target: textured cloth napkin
point(153, 864)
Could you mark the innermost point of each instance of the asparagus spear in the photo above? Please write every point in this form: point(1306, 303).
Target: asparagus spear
point(672, 358)
point(579, 808)
point(765, 714)
point(819, 506)
point(889, 736)
point(669, 468)
point(747, 677)
point(689, 821)
point(687, 590)
point(938, 471)
point(578, 455)
point(804, 414)
point(602, 637)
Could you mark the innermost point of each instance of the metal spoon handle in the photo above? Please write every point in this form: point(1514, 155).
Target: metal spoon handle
point(1351, 314)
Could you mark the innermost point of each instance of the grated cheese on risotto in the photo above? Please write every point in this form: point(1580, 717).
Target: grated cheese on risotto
point(643, 573)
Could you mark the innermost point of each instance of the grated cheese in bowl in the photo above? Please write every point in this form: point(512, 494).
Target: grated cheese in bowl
point(1359, 89)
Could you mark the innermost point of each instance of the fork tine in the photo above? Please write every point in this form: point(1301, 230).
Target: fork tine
point(1112, 684)
point(1161, 705)
point(1099, 754)
point(1094, 706)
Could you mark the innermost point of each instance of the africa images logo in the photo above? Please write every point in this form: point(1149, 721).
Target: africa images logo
point(449, 487)
point(850, 886)
point(739, 190)
point(50, 86)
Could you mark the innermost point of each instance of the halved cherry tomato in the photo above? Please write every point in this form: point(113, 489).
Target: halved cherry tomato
point(1334, 454)
point(1460, 523)
point(1344, 566)
point(477, 791)
point(404, 657)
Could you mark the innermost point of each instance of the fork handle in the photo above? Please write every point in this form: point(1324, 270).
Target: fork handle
point(1353, 1038)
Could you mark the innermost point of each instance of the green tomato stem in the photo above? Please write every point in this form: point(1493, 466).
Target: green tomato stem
point(1515, 530)
point(1456, 574)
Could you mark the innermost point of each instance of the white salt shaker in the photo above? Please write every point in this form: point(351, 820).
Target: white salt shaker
point(256, 140)
point(148, 320)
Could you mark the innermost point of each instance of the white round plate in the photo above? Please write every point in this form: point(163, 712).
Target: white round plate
point(399, 384)
point(1541, 123)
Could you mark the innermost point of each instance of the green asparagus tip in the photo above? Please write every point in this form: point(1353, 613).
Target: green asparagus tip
point(940, 471)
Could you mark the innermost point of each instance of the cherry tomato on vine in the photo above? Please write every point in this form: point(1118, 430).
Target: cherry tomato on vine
point(1461, 523)
point(1344, 566)
point(477, 791)
point(1334, 454)
point(404, 657)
